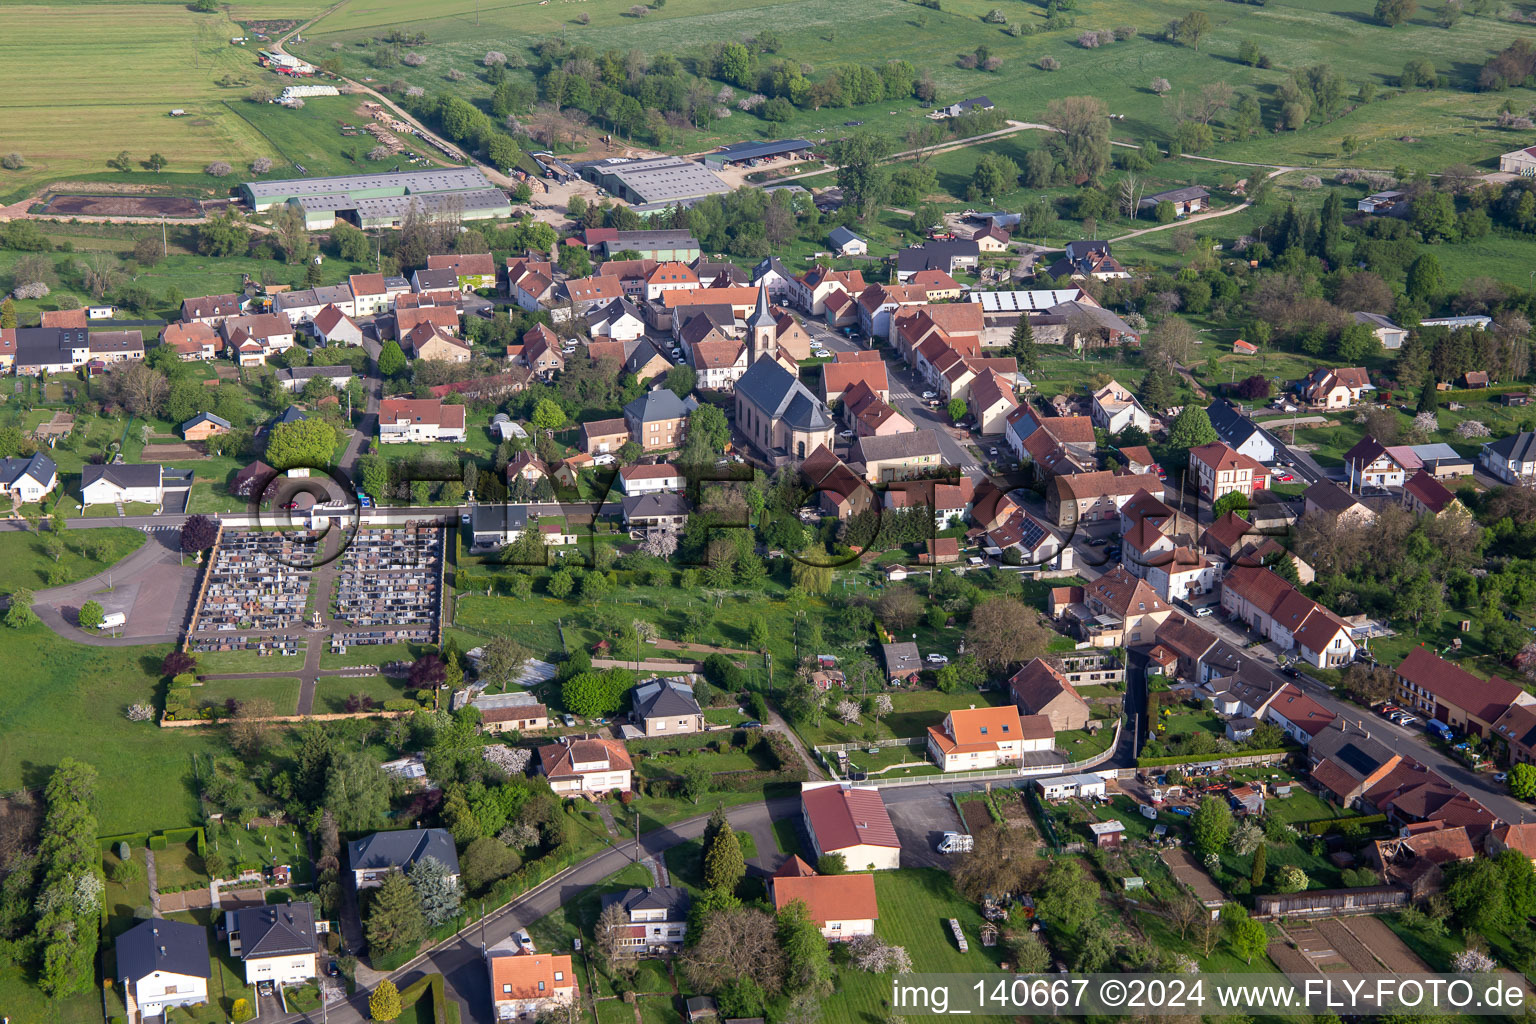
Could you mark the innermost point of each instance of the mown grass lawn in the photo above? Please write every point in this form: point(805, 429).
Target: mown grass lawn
point(26, 564)
point(280, 693)
point(68, 700)
point(331, 692)
point(248, 660)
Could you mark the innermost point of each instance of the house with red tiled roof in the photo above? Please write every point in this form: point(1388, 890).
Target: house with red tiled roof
point(1095, 496)
point(869, 416)
point(1424, 495)
point(191, 341)
point(1416, 862)
point(950, 500)
point(939, 551)
point(978, 738)
point(1278, 611)
point(671, 276)
point(1297, 714)
point(1516, 729)
point(838, 490)
point(1329, 388)
point(1039, 688)
point(843, 907)
point(576, 766)
point(1122, 610)
point(541, 350)
point(370, 294)
point(531, 283)
point(852, 821)
point(1521, 838)
point(525, 984)
point(991, 402)
point(474, 270)
point(1220, 471)
point(837, 377)
point(809, 292)
point(419, 419)
point(1442, 690)
point(1054, 444)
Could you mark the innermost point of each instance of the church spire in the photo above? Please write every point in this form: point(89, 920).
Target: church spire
point(763, 328)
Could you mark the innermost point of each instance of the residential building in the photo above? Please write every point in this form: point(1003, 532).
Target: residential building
point(271, 331)
point(843, 907)
point(116, 346)
point(602, 436)
point(1424, 495)
point(295, 378)
point(419, 420)
point(275, 942)
point(852, 821)
point(212, 309)
point(838, 376)
point(950, 500)
point(951, 257)
point(370, 294)
point(666, 707)
point(1240, 433)
point(333, 327)
point(586, 765)
point(1220, 471)
point(497, 524)
point(1278, 611)
point(1328, 388)
point(867, 415)
point(526, 985)
point(1040, 689)
point(541, 350)
point(1297, 714)
point(979, 738)
point(192, 341)
point(1120, 610)
point(1326, 498)
point(527, 466)
point(1052, 444)
point(40, 350)
point(640, 479)
point(304, 305)
point(28, 478)
point(1511, 459)
point(719, 362)
point(655, 511)
point(837, 489)
point(162, 964)
point(655, 918)
point(658, 419)
point(617, 320)
point(429, 341)
point(474, 270)
point(373, 858)
point(405, 319)
point(121, 483)
point(1446, 692)
point(1075, 498)
point(897, 456)
point(1088, 258)
point(990, 402)
point(1370, 464)
point(1388, 333)
point(903, 663)
point(1115, 409)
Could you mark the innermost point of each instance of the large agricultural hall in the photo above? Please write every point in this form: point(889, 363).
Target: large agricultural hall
point(382, 200)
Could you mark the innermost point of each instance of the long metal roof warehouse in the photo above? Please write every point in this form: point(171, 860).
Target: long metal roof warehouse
point(663, 179)
point(382, 200)
point(738, 152)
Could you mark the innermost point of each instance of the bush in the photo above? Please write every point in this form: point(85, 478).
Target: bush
point(157, 842)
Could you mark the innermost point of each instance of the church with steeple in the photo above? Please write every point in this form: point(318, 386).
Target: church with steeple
point(781, 417)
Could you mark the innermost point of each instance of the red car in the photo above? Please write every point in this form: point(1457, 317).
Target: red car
point(1284, 478)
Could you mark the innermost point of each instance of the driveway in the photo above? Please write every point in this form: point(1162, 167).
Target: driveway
point(921, 815)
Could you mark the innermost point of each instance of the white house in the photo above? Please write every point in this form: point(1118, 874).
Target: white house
point(586, 766)
point(977, 738)
point(112, 483)
point(1059, 787)
point(419, 419)
point(1388, 333)
point(851, 821)
point(637, 480)
point(28, 479)
point(162, 964)
point(1115, 409)
point(1370, 464)
point(275, 942)
point(525, 984)
point(843, 907)
point(1520, 161)
point(655, 918)
point(1512, 459)
point(846, 243)
point(296, 378)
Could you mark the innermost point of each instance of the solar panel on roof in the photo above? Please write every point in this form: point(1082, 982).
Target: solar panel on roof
point(1355, 759)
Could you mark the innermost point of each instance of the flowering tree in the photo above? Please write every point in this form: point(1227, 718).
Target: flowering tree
point(1472, 961)
point(848, 711)
point(871, 953)
point(1472, 428)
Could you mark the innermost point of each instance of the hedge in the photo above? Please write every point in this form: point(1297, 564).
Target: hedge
point(1324, 825)
point(443, 1012)
point(157, 842)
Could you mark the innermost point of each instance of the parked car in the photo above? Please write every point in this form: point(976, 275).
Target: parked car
point(937, 659)
point(332, 969)
point(930, 394)
point(751, 725)
point(1501, 776)
point(264, 988)
point(846, 435)
point(569, 720)
point(1203, 612)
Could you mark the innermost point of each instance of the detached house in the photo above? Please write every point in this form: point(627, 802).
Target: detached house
point(1239, 432)
point(852, 821)
point(658, 419)
point(977, 738)
point(666, 707)
point(162, 964)
point(275, 942)
point(191, 341)
point(888, 457)
point(842, 906)
point(28, 478)
point(1041, 691)
point(1329, 388)
point(579, 766)
point(114, 483)
point(373, 858)
point(212, 309)
point(1511, 459)
point(525, 985)
point(1370, 464)
point(655, 919)
point(419, 419)
point(1115, 409)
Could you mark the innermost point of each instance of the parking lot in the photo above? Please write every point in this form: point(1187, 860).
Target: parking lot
point(921, 815)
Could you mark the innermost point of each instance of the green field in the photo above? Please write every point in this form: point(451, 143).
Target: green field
point(70, 701)
point(25, 563)
point(280, 694)
point(131, 64)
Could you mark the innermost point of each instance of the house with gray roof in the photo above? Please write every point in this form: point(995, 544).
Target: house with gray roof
point(162, 964)
point(658, 419)
point(655, 919)
point(1512, 459)
point(275, 942)
point(121, 482)
point(887, 457)
point(666, 707)
point(1388, 333)
point(374, 857)
point(493, 524)
point(662, 509)
point(1239, 432)
point(781, 417)
point(846, 243)
point(29, 478)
